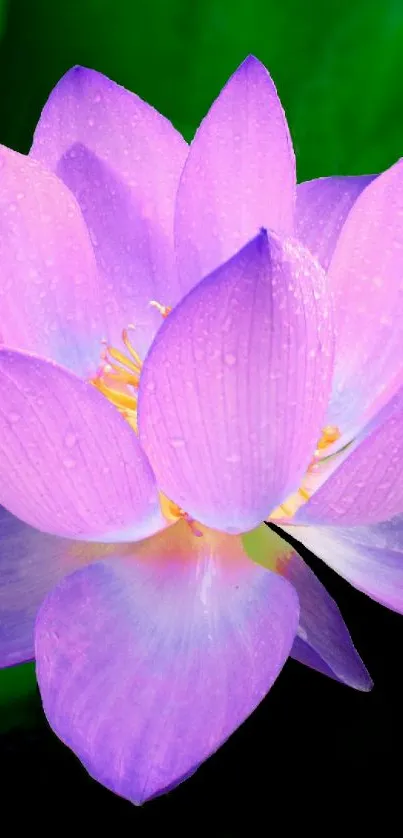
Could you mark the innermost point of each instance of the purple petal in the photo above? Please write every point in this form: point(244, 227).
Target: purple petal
point(31, 563)
point(49, 289)
point(368, 485)
point(323, 641)
point(122, 160)
point(321, 210)
point(146, 664)
point(365, 275)
point(70, 465)
point(235, 386)
point(371, 558)
point(239, 175)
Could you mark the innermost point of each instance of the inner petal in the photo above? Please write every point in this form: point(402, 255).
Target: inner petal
point(118, 379)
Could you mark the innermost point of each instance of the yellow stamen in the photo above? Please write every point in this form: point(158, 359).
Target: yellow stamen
point(120, 400)
point(330, 434)
point(173, 512)
point(126, 374)
point(123, 359)
point(127, 343)
point(164, 310)
point(123, 377)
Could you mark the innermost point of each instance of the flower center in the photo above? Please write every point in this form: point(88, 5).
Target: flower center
point(330, 434)
point(118, 378)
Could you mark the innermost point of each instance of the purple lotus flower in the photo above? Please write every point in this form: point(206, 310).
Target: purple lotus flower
point(137, 463)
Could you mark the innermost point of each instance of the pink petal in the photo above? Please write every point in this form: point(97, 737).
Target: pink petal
point(70, 465)
point(239, 175)
point(371, 558)
point(31, 563)
point(48, 288)
point(235, 386)
point(323, 641)
point(368, 485)
point(146, 664)
point(365, 275)
point(122, 160)
point(321, 210)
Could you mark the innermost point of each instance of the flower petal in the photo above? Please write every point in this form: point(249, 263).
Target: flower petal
point(122, 160)
point(70, 465)
point(323, 641)
point(321, 210)
point(368, 485)
point(371, 558)
point(239, 175)
point(365, 275)
point(31, 563)
point(146, 664)
point(235, 386)
point(49, 289)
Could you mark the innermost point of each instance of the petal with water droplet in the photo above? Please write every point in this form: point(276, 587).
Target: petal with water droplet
point(371, 558)
point(146, 664)
point(323, 641)
point(322, 207)
point(239, 175)
point(49, 295)
point(31, 563)
point(365, 275)
point(368, 484)
point(122, 160)
point(240, 374)
point(100, 489)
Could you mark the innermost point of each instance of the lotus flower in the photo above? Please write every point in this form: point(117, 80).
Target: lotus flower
point(142, 446)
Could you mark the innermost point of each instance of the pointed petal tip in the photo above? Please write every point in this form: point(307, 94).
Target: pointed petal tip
point(254, 68)
point(366, 685)
point(253, 64)
point(252, 61)
point(75, 72)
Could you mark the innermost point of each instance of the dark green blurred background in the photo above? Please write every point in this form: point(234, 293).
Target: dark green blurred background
point(338, 67)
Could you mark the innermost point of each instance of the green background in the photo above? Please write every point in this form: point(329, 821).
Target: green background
point(338, 67)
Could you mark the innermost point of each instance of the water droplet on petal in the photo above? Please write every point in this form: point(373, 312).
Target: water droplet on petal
point(14, 417)
point(230, 359)
point(69, 462)
point(70, 440)
point(233, 458)
point(177, 442)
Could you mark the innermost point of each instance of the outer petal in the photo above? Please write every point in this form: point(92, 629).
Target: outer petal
point(321, 210)
point(147, 664)
point(48, 288)
point(323, 641)
point(31, 563)
point(365, 275)
point(70, 465)
point(122, 160)
point(234, 389)
point(368, 485)
point(371, 558)
point(239, 175)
